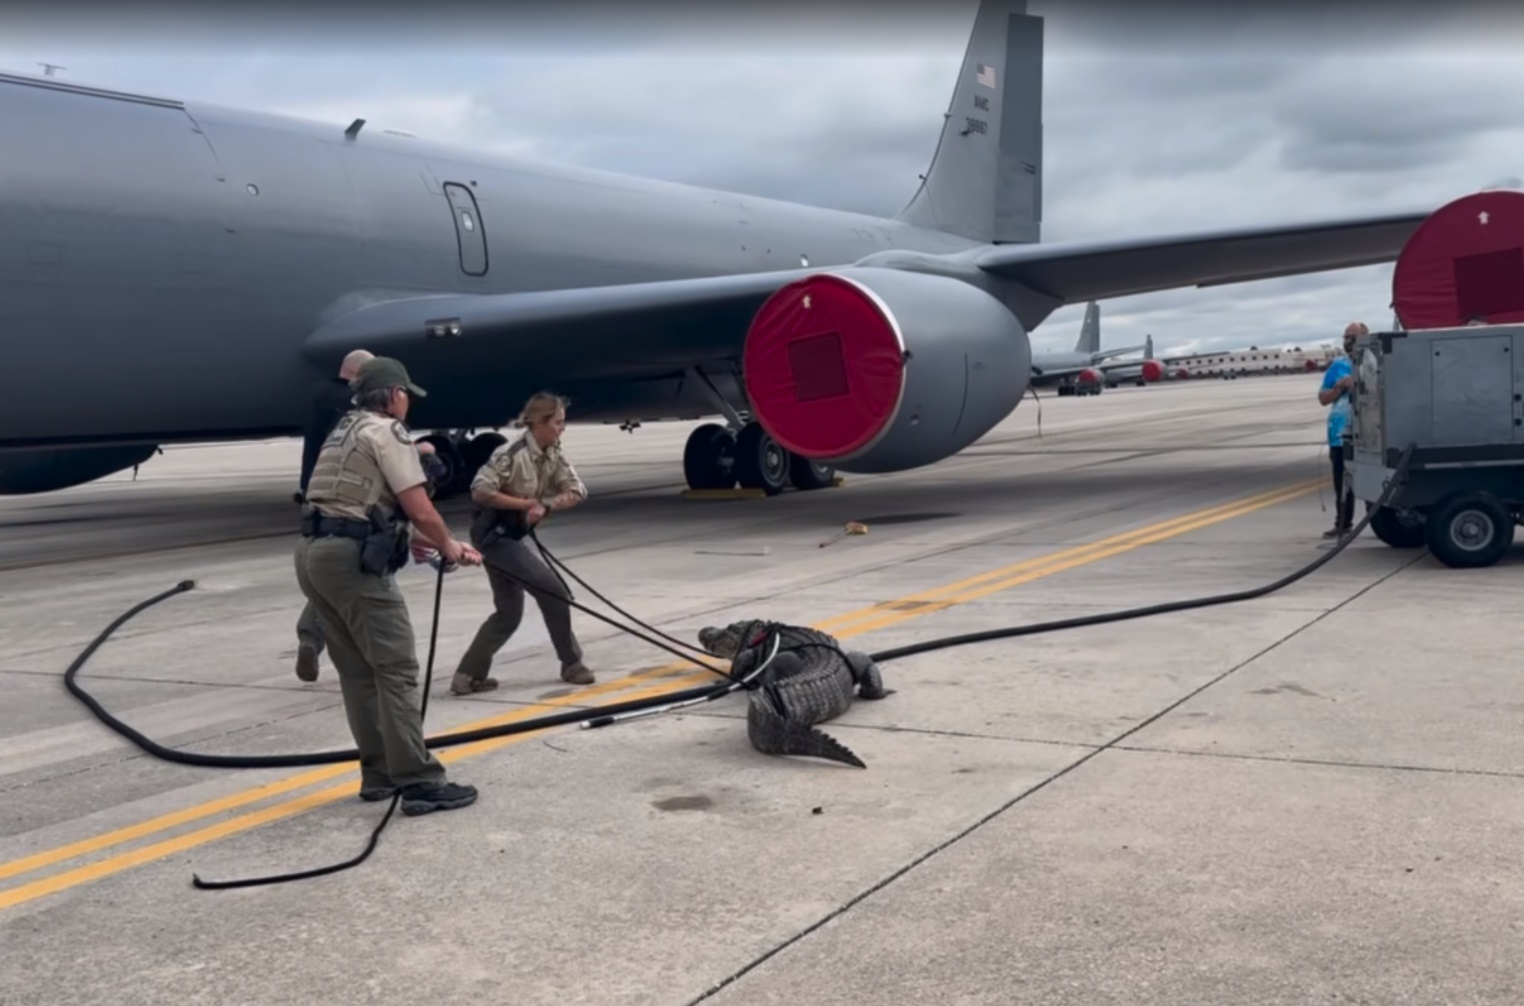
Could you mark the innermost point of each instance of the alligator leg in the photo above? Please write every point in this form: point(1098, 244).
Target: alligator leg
point(870, 683)
point(772, 733)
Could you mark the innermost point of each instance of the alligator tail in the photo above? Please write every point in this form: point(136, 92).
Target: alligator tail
point(812, 743)
point(771, 733)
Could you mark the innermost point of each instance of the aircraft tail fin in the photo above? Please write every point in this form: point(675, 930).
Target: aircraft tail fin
point(1090, 331)
point(985, 179)
point(1148, 348)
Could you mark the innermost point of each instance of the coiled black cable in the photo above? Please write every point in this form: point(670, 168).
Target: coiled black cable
point(375, 835)
point(611, 712)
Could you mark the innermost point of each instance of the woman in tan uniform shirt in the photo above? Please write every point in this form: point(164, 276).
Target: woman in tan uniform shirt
point(523, 480)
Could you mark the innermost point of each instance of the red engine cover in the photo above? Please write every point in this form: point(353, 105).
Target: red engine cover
point(1088, 376)
point(1152, 370)
point(1465, 262)
point(824, 366)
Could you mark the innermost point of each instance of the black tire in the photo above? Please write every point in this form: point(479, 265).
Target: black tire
point(1398, 528)
point(450, 483)
point(477, 450)
point(761, 462)
point(1469, 530)
point(807, 475)
point(708, 458)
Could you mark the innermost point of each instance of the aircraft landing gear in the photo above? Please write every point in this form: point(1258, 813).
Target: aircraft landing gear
point(460, 457)
point(716, 458)
point(709, 458)
point(719, 457)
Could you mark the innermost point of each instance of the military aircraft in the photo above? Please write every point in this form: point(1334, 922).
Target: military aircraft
point(1146, 371)
point(178, 272)
point(1086, 369)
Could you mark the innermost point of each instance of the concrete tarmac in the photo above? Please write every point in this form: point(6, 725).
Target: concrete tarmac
point(1314, 796)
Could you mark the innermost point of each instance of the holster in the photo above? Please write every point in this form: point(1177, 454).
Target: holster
point(385, 548)
point(490, 525)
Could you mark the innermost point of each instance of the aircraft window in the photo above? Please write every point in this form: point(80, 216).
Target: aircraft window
point(252, 189)
point(466, 222)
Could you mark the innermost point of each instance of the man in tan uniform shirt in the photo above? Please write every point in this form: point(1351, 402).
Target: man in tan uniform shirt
point(369, 461)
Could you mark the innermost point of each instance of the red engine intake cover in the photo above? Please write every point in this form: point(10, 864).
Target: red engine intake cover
point(824, 367)
point(1152, 370)
point(1464, 263)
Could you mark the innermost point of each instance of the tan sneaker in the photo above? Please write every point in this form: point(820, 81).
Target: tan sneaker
point(577, 674)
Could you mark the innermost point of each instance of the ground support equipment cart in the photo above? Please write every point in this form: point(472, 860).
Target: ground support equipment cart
point(1457, 396)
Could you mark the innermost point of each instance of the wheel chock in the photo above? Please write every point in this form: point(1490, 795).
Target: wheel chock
point(742, 494)
point(724, 494)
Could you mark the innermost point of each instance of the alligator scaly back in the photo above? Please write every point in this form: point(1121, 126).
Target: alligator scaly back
point(810, 680)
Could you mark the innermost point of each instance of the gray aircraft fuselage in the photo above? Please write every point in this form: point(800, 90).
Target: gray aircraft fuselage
point(163, 263)
point(1061, 360)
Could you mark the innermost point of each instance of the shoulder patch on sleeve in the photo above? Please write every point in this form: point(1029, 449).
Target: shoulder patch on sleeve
point(400, 432)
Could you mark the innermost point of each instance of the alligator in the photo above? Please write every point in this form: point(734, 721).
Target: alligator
point(810, 680)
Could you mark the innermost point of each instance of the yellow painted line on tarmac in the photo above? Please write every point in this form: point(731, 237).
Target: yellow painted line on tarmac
point(299, 781)
point(1068, 559)
point(1113, 545)
point(243, 822)
point(843, 626)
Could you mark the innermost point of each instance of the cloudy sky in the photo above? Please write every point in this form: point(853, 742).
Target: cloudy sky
point(1157, 119)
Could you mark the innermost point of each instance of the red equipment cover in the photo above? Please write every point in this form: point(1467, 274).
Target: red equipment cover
point(1464, 263)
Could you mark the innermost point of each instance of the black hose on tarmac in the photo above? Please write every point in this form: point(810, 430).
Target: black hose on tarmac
point(612, 712)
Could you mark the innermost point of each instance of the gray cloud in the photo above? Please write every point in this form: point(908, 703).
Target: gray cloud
point(1157, 118)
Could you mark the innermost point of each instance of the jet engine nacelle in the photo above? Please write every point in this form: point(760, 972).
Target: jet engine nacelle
point(1153, 371)
point(43, 470)
point(876, 370)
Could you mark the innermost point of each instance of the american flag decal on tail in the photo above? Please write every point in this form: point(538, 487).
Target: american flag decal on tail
point(985, 75)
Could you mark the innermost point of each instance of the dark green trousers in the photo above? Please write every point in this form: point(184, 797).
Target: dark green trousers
point(309, 629)
point(370, 641)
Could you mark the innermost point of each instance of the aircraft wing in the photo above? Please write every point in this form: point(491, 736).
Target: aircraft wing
point(650, 329)
point(1108, 354)
point(1079, 271)
point(630, 331)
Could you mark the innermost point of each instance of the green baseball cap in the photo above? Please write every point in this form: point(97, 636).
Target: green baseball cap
point(384, 372)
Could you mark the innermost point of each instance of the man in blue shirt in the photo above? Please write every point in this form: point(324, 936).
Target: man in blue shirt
point(1338, 383)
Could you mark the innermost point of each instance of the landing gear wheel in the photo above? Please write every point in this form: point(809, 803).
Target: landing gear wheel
point(1398, 528)
point(478, 449)
point(807, 474)
point(1469, 530)
point(761, 462)
point(709, 458)
point(449, 483)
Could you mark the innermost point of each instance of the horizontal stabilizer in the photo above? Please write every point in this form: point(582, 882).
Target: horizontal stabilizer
point(1075, 271)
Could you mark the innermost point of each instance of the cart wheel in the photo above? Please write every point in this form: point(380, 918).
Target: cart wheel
point(1398, 528)
point(1469, 530)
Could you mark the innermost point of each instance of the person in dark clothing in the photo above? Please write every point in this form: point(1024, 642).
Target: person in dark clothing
point(334, 398)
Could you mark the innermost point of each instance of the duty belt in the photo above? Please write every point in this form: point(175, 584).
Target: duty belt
point(321, 526)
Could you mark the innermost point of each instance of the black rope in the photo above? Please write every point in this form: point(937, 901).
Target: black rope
point(613, 712)
point(557, 567)
point(375, 836)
